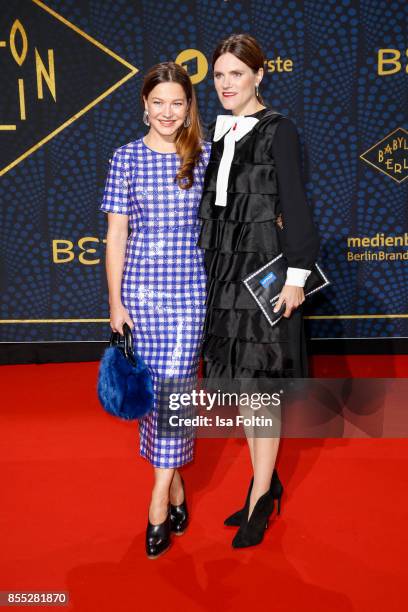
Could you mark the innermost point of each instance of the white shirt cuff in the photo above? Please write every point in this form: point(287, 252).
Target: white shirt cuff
point(297, 276)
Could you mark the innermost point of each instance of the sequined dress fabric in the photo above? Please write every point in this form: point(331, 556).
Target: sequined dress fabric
point(164, 280)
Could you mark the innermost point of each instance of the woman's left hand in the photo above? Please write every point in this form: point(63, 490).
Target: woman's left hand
point(292, 296)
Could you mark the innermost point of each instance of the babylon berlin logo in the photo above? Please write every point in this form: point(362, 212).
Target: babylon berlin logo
point(46, 87)
point(43, 73)
point(390, 155)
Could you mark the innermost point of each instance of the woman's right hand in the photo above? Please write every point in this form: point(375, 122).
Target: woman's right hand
point(118, 316)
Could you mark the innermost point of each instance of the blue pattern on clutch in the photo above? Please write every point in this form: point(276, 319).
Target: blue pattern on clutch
point(268, 279)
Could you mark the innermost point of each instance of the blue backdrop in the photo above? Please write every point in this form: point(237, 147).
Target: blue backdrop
point(71, 72)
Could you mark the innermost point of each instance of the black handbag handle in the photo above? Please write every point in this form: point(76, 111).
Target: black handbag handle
point(125, 341)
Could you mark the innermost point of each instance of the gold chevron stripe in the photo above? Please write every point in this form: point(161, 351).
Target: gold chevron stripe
point(133, 70)
point(374, 316)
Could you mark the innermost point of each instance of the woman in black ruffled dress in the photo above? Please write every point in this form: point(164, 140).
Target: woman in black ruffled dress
point(253, 208)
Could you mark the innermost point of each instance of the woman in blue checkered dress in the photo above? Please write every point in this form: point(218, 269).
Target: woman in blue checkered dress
point(156, 277)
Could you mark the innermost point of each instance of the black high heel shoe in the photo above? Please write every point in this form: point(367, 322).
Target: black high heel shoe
point(158, 537)
point(251, 532)
point(179, 515)
point(276, 489)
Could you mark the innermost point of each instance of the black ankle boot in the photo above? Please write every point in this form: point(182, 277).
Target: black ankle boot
point(158, 537)
point(276, 489)
point(251, 532)
point(179, 515)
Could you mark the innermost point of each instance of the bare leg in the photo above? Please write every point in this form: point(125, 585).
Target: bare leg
point(265, 451)
point(249, 433)
point(176, 490)
point(160, 495)
point(250, 440)
point(245, 411)
point(167, 487)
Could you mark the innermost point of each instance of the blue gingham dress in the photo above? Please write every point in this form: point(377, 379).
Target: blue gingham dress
point(163, 281)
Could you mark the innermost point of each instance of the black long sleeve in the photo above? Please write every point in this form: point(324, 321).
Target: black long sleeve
point(300, 238)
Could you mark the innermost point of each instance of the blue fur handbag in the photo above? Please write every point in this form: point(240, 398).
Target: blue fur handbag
point(125, 386)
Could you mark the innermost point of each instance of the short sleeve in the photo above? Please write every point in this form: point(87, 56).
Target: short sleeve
point(116, 194)
point(300, 238)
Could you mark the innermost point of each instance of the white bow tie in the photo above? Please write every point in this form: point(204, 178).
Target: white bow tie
point(226, 122)
point(236, 127)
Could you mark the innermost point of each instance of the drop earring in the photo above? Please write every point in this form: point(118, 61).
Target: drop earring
point(256, 90)
point(187, 121)
point(146, 118)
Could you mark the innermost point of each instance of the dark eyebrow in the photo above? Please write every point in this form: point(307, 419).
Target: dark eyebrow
point(161, 99)
point(220, 72)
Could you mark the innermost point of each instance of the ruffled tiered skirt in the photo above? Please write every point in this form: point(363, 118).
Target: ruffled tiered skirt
point(238, 340)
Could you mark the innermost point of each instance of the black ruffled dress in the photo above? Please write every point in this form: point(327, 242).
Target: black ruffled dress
point(265, 188)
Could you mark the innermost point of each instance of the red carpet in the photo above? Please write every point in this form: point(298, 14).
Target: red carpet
point(75, 495)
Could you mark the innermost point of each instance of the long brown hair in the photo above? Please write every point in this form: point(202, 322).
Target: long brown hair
point(246, 48)
point(188, 139)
